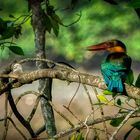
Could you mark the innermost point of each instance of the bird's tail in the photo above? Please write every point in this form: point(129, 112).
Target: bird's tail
point(116, 85)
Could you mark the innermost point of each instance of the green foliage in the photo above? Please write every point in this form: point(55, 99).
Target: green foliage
point(116, 122)
point(107, 92)
point(134, 3)
point(8, 29)
point(52, 20)
point(119, 102)
point(130, 78)
point(136, 125)
point(78, 136)
point(102, 98)
point(100, 21)
point(137, 84)
point(16, 50)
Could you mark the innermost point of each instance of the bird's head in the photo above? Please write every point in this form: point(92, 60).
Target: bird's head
point(111, 46)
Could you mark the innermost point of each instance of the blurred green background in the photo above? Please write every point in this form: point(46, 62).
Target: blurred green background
point(99, 21)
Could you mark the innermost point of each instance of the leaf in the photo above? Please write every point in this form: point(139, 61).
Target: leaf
point(17, 31)
point(136, 125)
point(137, 83)
point(48, 23)
point(3, 26)
point(137, 10)
point(11, 16)
point(107, 92)
point(56, 18)
point(16, 50)
point(102, 98)
point(114, 94)
point(130, 78)
point(127, 134)
point(9, 32)
point(134, 4)
point(73, 137)
point(99, 104)
point(119, 102)
point(80, 137)
point(116, 122)
point(55, 26)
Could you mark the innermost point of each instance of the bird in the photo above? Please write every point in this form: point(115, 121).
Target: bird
point(116, 68)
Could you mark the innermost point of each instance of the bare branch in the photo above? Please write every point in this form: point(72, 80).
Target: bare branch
point(92, 107)
point(73, 96)
point(69, 75)
point(123, 122)
point(15, 127)
point(19, 116)
point(88, 123)
point(102, 113)
point(34, 109)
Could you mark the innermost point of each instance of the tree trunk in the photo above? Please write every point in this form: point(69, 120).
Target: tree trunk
point(45, 85)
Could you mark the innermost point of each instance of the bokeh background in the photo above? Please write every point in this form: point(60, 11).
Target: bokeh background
point(99, 22)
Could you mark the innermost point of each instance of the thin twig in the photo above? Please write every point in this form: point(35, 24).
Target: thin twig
point(92, 107)
point(14, 126)
point(72, 113)
point(80, 14)
point(74, 95)
point(82, 125)
point(34, 109)
point(123, 122)
point(87, 127)
point(102, 113)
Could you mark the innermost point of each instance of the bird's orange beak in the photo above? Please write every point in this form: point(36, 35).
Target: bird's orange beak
point(99, 47)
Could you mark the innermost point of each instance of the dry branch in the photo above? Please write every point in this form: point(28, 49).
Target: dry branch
point(67, 75)
point(3, 119)
point(88, 123)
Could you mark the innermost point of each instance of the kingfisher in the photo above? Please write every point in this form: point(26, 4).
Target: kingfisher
point(116, 68)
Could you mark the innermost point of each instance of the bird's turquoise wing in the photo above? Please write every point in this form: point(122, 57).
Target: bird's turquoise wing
point(114, 76)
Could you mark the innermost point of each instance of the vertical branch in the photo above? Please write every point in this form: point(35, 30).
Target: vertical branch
point(45, 85)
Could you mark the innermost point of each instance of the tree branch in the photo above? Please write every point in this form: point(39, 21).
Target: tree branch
point(25, 123)
point(123, 122)
point(3, 119)
point(88, 123)
point(67, 75)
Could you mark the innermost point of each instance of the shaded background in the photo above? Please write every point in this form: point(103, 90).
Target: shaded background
point(100, 21)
